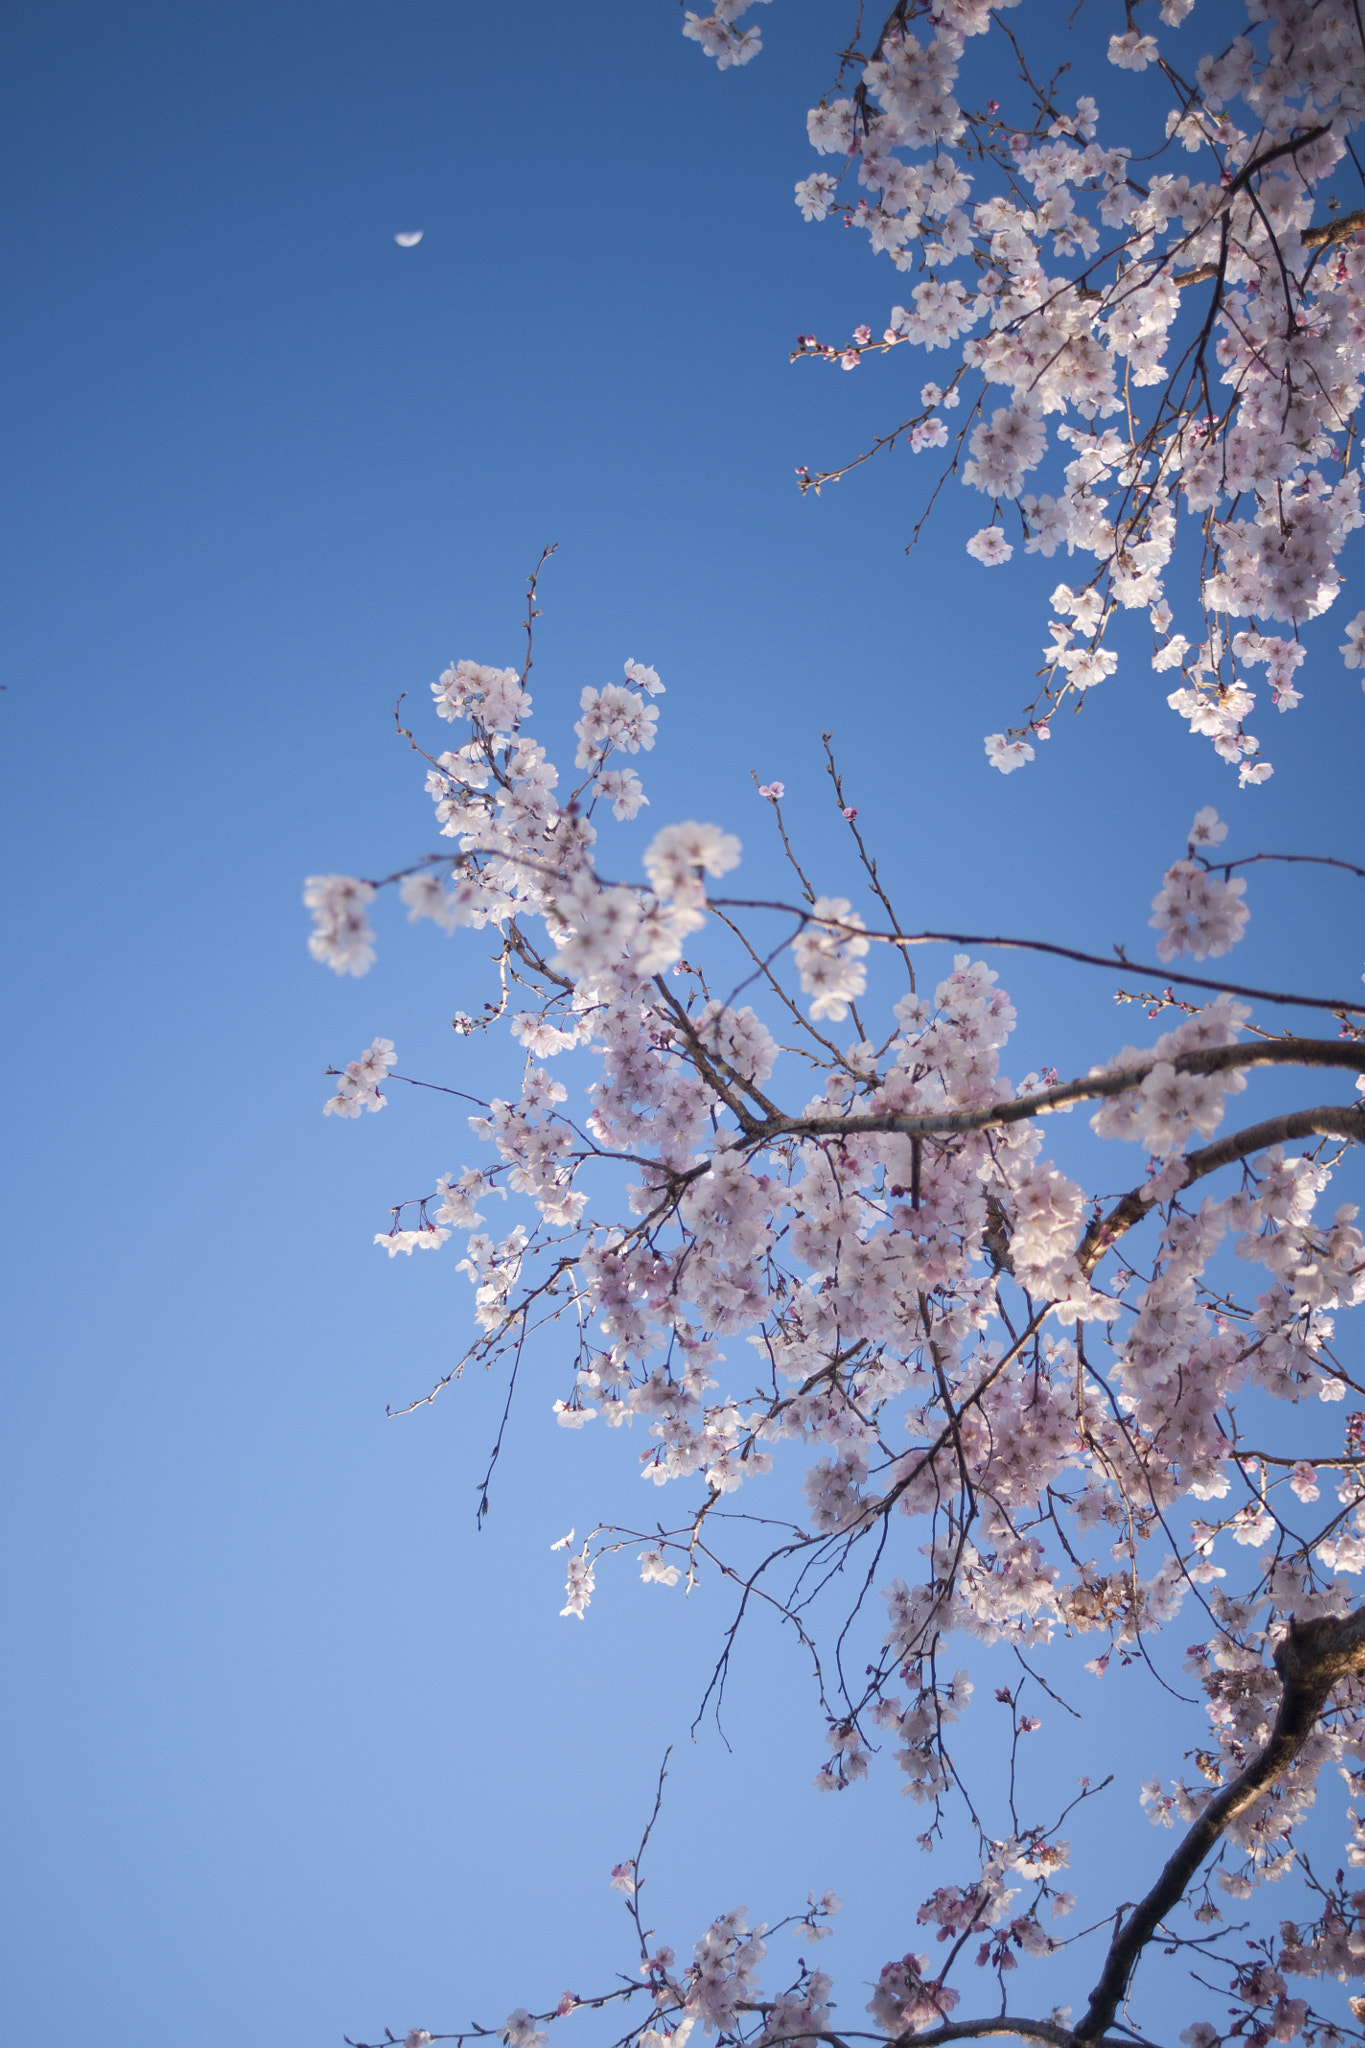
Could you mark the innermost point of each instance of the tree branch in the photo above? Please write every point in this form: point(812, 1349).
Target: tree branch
point(970, 2030)
point(1333, 231)
point(1017, 2030)
point(1323, 236)
point(1110, 960)
point(1275, 1052)
point(1313, 1658)
point(1329, 1121)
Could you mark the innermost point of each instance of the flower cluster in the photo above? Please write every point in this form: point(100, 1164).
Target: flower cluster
point(1053, 271)
point(343, 937)
point(359, 1084)
point(718, 36)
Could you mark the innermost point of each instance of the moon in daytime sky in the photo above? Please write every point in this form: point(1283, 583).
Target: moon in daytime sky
point(411, 239)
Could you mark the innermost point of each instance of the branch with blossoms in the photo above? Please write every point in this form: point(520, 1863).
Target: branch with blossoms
point(933, 1323)
point(721, 1987)
point(1049, 272)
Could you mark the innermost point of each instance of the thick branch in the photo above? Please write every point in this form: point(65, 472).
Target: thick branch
point(1323, 236)
point(1331, 231)
point(1272, 1052)
point(1331, 1120)
point(1015, 2030)
point(997, 2025)
point(1314, 1657)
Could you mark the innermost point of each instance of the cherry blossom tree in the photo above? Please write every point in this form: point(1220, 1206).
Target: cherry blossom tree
point(785, 1210)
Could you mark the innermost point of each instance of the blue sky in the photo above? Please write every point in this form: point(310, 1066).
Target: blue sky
point(292, 1750)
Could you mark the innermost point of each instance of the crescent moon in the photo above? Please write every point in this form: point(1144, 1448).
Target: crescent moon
point(410, 239)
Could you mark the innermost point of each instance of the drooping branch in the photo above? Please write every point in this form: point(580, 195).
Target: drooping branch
point(1313, 1658)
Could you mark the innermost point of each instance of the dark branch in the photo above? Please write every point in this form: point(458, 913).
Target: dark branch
point(1313, 1658)
point(1015, 2030)
point(1275, 1052)
point(1328, 1121)
point(1118, 958)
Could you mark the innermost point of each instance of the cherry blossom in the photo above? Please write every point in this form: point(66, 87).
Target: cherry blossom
point(990, 547)
point(358, 1086)
point(343, 937)
point(1007, 754)
point(1196, 913)
point(718, 36)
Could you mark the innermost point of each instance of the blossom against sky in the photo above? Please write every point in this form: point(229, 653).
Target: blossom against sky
point(288, 1730)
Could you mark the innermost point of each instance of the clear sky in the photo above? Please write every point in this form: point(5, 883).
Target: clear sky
point(290, 1749)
